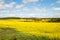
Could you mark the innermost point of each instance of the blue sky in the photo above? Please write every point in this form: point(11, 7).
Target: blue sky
point(30, 8)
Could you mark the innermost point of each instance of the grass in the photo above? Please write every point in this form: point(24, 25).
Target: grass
point(30, 30)
point(12, 34)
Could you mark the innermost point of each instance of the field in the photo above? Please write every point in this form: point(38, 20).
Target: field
point(33, 30)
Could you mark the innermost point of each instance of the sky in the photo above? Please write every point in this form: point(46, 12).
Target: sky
point(30, 8)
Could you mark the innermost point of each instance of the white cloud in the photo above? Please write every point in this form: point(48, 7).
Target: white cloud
point(2, 5)
point(28, 1)
point(5, 11)
point(40, 10)
point(36, 9)
point(35, 15)
point(32, 15)
point(19, 6)
point(52, 4)
point(2, 8)
point(20, 15)
point(11, 15)
point(5, 6)
point(26, 9)
point(10, 5)
point(22, 8)
point(1, 0)
point(56, 9)
point(58, 1)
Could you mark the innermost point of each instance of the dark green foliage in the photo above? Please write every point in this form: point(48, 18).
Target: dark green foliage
point(54, 20)
point(12, 34)
point(33, 19)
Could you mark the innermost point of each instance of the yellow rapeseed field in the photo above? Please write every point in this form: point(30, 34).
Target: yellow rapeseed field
point(33, 28)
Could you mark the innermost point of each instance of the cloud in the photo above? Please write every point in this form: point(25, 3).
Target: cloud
point(28, 1)
point(26, 9)
point(5, 6)
point(10, 5)
point(58, 1)
point(40, 10)
point(32, 15)
point(11, 15)
point(2, 5)
point(1, 2)
point(56, 9)
point(2, 8)
point(22, 8)
point(52, 4)
point(19, 6)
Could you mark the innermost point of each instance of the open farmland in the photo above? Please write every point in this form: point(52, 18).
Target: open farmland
point(39, 29)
